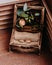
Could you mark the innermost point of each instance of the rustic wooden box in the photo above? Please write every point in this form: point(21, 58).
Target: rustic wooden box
point(26, 41)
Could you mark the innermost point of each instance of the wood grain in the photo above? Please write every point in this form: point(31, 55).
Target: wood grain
point(5, 38)
point(48, 26)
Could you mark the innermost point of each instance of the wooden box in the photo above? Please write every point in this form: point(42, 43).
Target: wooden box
point(27, 41)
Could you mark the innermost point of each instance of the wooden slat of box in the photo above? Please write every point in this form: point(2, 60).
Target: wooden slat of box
point(25, 44)
point(34, 2)
point(26, 35)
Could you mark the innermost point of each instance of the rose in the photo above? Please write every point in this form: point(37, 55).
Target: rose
point(22, 22)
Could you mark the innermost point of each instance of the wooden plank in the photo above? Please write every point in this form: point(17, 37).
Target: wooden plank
point(35, 2)
point(7, 12)
point(6, 17)
point(49, 33)
point(5, 26)
point(4, 36)
point(15, 16)
point(47, 9)
point(48, 26)
point(4, 44)
point(48, 19)
point(8, 2)
point(7, 21)
point(8, 7)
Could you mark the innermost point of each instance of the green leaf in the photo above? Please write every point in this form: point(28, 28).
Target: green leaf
point(24, 15)
point(37, 14)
